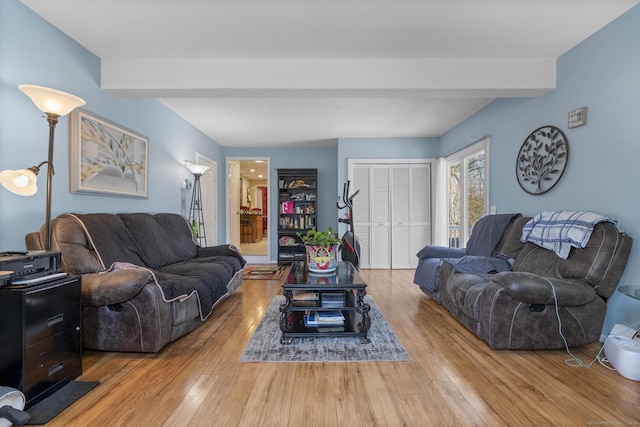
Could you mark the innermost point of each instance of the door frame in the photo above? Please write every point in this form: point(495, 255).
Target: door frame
point(257, 259)
point(481, 145)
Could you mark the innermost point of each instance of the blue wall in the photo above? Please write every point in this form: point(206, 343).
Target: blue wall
point(603, 74)
point(34, 52)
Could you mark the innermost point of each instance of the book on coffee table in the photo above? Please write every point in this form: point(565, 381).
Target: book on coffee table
point(324, 318)
point(332, 299)
point(306, 296)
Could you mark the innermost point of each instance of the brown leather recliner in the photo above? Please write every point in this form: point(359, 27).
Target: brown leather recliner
point(145, 281)
point(517, 309)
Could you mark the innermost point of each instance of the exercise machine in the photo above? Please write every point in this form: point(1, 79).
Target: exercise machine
point(350, 248)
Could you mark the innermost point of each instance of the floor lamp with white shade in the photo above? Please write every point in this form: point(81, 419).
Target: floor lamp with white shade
point(196, 217)
point(54, 104)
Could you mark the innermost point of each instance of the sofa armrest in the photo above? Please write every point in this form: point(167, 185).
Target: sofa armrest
point(441, 252)
point(100, 289)
point(534, 289)
point(220, 250)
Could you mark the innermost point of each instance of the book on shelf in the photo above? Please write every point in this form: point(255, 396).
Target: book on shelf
point(310, 320)
point(329, 316)
point(334, 296)
point(306, 296)
point(332, 299)
point(324, 318)
point(331, 304)
point(324, 329)
point(287, 255)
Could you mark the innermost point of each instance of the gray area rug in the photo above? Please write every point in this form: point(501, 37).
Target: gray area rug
point(264, 345)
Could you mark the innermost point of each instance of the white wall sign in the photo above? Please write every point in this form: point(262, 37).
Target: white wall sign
point(577, 117)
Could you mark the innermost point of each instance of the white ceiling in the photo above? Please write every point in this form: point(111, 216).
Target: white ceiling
point(305, 72)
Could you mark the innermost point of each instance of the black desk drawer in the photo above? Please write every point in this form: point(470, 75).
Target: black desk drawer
point(50, 361)
point(52, 310)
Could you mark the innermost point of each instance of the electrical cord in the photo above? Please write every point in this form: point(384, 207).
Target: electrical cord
point(574, 360)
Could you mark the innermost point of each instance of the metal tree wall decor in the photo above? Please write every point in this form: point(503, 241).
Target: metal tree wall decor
point(542, 160)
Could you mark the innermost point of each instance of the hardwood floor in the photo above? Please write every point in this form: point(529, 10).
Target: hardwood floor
point(453, 378)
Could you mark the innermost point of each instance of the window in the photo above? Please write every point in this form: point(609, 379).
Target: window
point(467, 191)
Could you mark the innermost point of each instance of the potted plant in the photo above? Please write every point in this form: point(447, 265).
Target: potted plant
point(322, 249)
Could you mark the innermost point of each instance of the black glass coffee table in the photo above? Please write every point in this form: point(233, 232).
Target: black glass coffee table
point(324, 304)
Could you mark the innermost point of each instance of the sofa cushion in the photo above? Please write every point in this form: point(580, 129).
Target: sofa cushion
point(463, 291)
point(160, 239)
point(110, 238)
point(78, 256)
point(207, 277)
point(510, 244)
point(487, 232)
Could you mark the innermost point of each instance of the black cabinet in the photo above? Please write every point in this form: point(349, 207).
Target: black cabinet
point(40, 338)
point(297, 196)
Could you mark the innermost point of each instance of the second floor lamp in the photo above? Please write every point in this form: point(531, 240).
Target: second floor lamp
point(196, 216)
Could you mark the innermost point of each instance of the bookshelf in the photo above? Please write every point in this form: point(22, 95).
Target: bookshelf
point(297, 196)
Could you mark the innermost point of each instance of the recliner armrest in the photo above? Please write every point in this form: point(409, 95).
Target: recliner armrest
point(220, 250)
point(441, 252)
point(534, 289)
point(100, 289)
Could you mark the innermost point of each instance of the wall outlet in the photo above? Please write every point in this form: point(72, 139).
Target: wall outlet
point(493, 210)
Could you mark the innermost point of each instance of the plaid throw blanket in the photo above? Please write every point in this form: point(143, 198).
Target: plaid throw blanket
point(560, 230)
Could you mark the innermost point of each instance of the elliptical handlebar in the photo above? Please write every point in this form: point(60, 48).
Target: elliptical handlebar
point(348, 200)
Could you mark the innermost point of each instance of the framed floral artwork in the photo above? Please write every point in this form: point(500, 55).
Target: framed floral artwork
point(106, 158)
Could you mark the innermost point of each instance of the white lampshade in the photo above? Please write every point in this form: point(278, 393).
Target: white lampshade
point(21, 182)
point(52, 101)
point(196, 169)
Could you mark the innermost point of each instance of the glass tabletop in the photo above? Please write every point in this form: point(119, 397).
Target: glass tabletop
point(345, 276)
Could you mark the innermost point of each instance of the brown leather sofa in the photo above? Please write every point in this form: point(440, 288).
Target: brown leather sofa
point(516, 308)
point(145, 281)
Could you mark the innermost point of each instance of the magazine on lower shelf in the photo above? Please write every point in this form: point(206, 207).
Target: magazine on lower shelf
point(324, 318)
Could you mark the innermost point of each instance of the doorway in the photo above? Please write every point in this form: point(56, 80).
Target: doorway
point(248, 207)
point(467, 191)
point(392, 212)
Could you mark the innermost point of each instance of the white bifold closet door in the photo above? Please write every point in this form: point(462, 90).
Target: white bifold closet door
point(392, 212)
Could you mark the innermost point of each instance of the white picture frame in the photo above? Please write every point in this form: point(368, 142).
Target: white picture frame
point(106, 158)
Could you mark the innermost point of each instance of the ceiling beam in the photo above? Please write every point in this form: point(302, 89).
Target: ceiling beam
point(331, 78)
